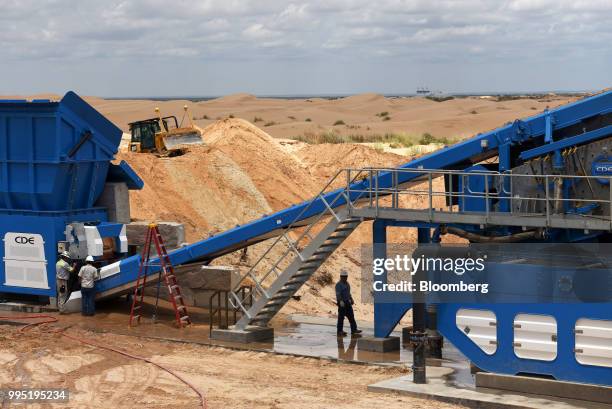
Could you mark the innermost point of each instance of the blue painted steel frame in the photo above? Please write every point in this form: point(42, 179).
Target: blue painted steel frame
point(51, 225)
point(388, 312)
point(563, 367)
point(485, 145)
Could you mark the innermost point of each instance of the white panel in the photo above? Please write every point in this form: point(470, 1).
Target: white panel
point(594, 342)
point(480, 326)
point(110, 270)
point(535, 337)
point(24, 246)
point(95, 245)
point(24, 260)
point(31, 274)
point(123, 241)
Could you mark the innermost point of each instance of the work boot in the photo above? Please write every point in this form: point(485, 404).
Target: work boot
point(341, 334)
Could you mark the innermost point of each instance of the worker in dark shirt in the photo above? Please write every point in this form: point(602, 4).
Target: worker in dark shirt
point(345, 305)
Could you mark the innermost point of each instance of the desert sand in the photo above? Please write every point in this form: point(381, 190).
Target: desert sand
point(458, 118)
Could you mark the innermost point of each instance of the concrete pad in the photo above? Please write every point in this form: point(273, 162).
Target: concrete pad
point(25, 307)
point(550, 387)
point(250, 334)
point(379, 344)
point(439, 388)
point(198, 283)
point(74, 302)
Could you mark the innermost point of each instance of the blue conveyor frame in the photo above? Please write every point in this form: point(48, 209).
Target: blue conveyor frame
point(532, 132)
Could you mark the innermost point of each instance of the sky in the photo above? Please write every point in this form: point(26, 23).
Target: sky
point(311, 47)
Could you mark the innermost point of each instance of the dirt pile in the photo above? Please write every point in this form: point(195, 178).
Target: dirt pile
point(242, 173)
point(325, 160)
point(239, 175)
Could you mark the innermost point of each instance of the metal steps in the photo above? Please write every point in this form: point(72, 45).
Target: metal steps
point(304, 263)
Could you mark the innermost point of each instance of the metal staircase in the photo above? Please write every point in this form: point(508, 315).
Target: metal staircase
point(299, 259)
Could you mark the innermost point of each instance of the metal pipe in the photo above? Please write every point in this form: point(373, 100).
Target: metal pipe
point(478, 238)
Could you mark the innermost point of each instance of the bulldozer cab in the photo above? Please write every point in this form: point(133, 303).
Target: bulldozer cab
point(163, 135)
point(143, 132)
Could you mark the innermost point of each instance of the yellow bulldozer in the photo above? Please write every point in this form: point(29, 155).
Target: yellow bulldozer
point(164, 136)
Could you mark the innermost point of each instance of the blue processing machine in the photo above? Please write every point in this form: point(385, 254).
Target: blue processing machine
point(543, 179)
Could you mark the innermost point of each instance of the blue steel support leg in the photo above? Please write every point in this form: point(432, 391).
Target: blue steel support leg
point(389, 308)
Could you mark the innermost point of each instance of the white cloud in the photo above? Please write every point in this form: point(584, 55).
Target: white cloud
point(320, 32)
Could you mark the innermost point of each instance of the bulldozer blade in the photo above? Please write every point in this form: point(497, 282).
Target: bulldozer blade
point(176, 141)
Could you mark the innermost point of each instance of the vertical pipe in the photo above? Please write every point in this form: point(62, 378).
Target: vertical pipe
point(226, 309)
point(379, 251)
point(376, 192)
point(610, 187)
point(486, 176)
point(418, 336)
point(348, 189)
point(450, 191)
point(430, 196)
point(370, 187)
point(547, 192)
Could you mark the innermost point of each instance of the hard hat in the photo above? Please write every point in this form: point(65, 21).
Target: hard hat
point(343, 273)
point(65, 254)
point(89, 258)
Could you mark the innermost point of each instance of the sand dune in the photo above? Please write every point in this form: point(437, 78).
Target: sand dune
point(282, 118)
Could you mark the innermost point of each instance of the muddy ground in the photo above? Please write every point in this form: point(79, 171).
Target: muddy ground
point(97, 378)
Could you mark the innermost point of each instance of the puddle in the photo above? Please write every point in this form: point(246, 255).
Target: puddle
point(295, 338)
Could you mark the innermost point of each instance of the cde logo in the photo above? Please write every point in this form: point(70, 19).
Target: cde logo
point(24, 240)
point(603, 167)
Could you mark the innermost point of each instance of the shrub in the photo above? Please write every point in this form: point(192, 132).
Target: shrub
point(428, 138)
point(270, 123)
point(308, 120)
point(386, 118)
point(291, 117)
point(231, 115)
point(257, 119)
point(323, 278)
point(439, 99)
point(382, 114)
point(379, 147)
point(473, 112)
point(399, 139)
point(339, 122)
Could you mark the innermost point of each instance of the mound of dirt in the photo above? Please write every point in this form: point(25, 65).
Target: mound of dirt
point(325, 159)
point(239, 175)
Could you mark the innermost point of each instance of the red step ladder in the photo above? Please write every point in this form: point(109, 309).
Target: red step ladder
point(166, 271)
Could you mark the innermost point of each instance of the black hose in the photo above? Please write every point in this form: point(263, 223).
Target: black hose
point(478, 238)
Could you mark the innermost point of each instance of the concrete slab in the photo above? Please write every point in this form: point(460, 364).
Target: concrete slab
point(116, 199)
point(440, 388)
point(25, 307)
point(540, 386)
point(172, 233)
point(74, 302)
point(250, 334)
point(198, 283)
point(379, 344)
